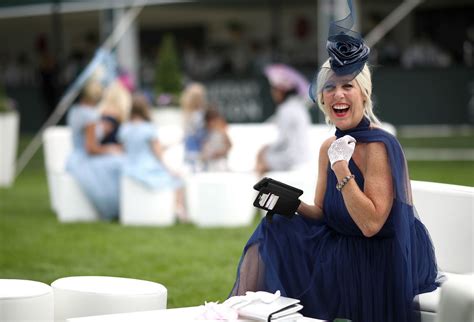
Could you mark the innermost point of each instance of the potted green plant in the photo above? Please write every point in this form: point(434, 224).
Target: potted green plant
point(9, 132)
point(168, 83)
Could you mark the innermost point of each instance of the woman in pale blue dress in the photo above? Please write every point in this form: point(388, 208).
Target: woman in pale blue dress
point(193, 103)
point(144, 162)
point(97, 168)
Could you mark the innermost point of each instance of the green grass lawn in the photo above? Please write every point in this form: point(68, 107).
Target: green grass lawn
point(194, 264)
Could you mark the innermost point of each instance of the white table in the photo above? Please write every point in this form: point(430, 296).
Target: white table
point(178, 314)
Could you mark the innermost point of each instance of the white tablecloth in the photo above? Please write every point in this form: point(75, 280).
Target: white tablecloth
point(178, 314)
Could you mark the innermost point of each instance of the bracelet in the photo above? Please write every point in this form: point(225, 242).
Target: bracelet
point(343, 182)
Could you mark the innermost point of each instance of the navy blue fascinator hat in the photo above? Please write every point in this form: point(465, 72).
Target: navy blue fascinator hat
point(347, 51)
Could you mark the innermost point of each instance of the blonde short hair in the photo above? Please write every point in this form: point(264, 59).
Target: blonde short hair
point(194, 97)
point(92, 92)
point(117, 101)
point(363, 79)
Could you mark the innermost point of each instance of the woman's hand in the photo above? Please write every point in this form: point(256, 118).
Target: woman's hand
point(341, 149)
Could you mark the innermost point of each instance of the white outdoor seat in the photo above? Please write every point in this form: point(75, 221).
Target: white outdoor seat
point(80, 296)
point(447, 211)
point(221, 199)
point(171, 137)
point(302, 178)
point(9, 134)
point(72, 204)
point(247, 140)
point(57, 145)
point(390, 128)
point(457, 300)
point(163, 116)
point(25, 300)
point(66, 197)
point(429, 301)
point(140, 205)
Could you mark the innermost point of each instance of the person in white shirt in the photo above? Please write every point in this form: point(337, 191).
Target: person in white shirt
point(293, 122)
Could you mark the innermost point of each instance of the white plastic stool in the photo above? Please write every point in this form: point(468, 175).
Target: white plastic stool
point(80, 296)
point(66, 197)
point(72, 204)
point(24, 300)
point(221, 199)
point(456, 303)
point(142, 206)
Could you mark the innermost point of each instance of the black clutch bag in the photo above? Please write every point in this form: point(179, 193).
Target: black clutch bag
point(277, 197)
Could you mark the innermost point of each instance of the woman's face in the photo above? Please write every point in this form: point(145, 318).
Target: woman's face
point(278, 95)
point(343, 102)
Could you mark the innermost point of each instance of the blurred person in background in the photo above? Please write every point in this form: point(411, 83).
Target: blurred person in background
point(292, 120)
point(194, 102)
point(144, 155)
point(48, 72)
point(115, 109)
point(424, 52)
point(468, 47)
point(96, 167)
point(217, 144)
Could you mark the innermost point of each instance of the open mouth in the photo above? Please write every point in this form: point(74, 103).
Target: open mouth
point(340, 109)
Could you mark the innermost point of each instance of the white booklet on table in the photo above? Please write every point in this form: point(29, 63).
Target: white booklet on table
point(282, 309)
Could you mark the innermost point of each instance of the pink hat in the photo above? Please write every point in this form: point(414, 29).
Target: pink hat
point(286, 78)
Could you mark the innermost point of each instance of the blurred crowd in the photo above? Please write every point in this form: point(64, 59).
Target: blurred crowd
point(113, 135)
point(112, 129)
point(241, 56)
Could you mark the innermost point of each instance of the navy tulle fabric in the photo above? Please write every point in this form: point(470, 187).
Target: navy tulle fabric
point(332, 267)
point(347, 51)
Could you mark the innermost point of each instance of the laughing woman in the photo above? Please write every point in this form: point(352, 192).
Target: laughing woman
point(359, 252)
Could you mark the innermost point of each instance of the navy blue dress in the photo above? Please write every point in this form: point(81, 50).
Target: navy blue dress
point(332, 267)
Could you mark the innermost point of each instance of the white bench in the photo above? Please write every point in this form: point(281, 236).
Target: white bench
point(71, 204)
point(447, 211)
point(141, 206)
point(221, 199)
point(164, 116)
point(247, 140)
point(66, 197)
point(456, 303)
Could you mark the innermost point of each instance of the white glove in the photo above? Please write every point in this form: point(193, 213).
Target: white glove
point(341, 149)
